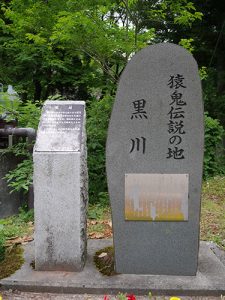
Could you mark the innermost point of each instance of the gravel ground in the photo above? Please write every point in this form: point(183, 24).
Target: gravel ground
point(16, 295)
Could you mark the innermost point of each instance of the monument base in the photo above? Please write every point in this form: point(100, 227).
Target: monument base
point(60, 211)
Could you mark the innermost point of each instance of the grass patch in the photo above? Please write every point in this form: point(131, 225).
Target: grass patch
point(17, 226)
point(99, 223)
point(12, 262)
point(213, 211)
point(14, 231)
point(98, 227)
point(99, 212)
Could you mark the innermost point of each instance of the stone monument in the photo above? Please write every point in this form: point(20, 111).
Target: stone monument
point(154, 163)
point(60, 187)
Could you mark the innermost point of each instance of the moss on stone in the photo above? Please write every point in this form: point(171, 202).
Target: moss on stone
point(104, 261)
point(12, 262)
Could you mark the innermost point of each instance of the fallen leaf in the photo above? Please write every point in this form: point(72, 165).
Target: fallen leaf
point(18, 240)
point(96, 235)
point(110, 223)
point(99, 235)
point(93, 222)
point(103, 254)
point(12, 238)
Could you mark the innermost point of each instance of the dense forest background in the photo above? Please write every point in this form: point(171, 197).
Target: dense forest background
point(77, 49)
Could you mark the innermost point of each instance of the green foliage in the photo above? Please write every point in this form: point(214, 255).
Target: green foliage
point(13, 227)
point(28, 114)
point(98, 211)
point(13, 261)
point(16, 226)
point(21, 177)
point(98, 114)
point(187, 44)
point(122, 296)
point(26, 215)
point(203, 73)
point(79, 49)
point(213, 157)
point(72, 46)
point(212, 211)
point(9, 106)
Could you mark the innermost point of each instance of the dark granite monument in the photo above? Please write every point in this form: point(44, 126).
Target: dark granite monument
point(154, 163)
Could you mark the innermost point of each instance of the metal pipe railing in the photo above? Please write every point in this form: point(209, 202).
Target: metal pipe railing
point(22, 132)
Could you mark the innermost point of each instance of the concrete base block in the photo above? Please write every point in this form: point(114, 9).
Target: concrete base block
point(209, 280)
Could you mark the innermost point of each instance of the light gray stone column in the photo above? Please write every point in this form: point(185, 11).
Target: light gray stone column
point(60, 188)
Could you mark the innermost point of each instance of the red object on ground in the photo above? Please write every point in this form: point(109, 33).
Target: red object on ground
point(131, 297)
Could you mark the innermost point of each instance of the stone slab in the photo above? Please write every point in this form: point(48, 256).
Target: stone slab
point(209, 280)
point(156, 127)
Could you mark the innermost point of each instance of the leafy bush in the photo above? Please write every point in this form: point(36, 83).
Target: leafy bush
point(28, 115)
point(98, 115)
point(25, 216)
point(213, 157)
point(22, 176)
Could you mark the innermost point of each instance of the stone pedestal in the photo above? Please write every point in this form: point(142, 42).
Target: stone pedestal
point(60, 191)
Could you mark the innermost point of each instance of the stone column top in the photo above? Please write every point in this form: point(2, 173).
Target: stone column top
point(61, 126)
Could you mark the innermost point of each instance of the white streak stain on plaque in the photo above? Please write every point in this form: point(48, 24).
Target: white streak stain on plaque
point(156, 197)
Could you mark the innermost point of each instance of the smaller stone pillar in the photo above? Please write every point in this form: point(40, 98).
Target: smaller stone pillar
point(60, 187)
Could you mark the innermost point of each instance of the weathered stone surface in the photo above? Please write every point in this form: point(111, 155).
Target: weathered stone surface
point(60, 198)
point(156, 128)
